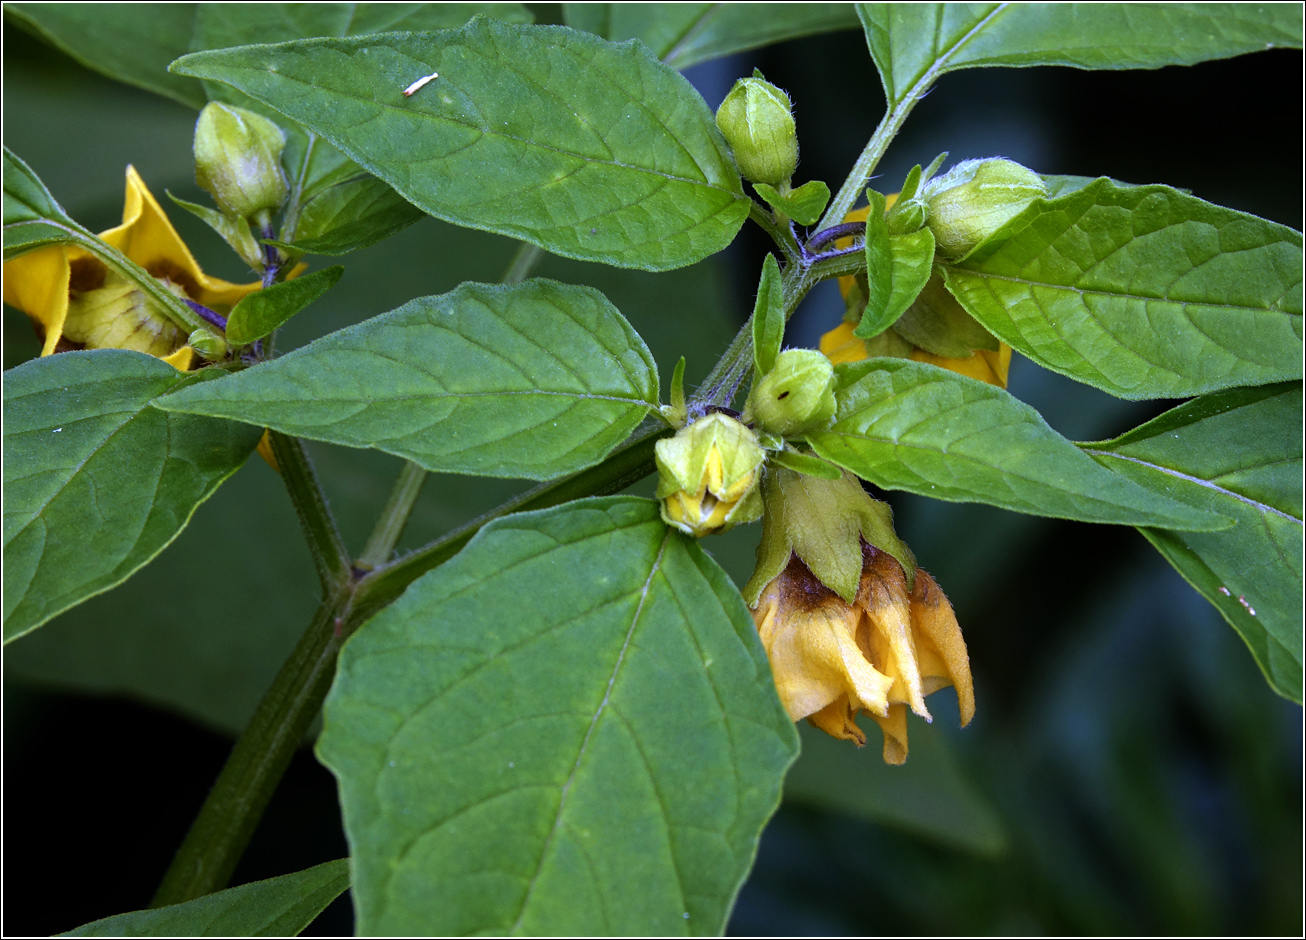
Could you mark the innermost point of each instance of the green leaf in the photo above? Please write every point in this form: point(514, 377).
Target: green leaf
point(879, 264)
point(277, 907)
point(768, 317)
point(910, 426)
point(684, 34)
point(910, 261)
point(350, 215)
point(1141, 291)
point(116, 40)
point(533, 380)
point(258, 314)
point(510, 760)
point(234, 230)
point(938, 324)
point(335, 207)
point(587, 149)
point(1238, 453)
point(32, 219)
point(96, 481)
point(914, 43)
point(804, 205)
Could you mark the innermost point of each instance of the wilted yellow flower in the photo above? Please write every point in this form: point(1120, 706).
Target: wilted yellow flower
point(881, 655)
point(76, 302)
point(708, 475)
point(840, 345)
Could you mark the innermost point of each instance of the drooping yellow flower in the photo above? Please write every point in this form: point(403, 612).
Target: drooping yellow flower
point(76, 302)
point(840, 345)
point(881, 655)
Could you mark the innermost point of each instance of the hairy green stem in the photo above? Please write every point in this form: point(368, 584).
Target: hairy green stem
point(851, 190)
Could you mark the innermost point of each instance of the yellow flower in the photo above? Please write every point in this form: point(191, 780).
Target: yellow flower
point(880, 655)
point(76, 302)
point(840, 345)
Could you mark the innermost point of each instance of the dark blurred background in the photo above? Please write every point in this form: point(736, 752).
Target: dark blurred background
point(1128, 771)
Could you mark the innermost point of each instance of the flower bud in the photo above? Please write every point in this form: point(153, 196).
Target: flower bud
point(238, 161)
point(975, 198)
point(708, 474)
point(796, 395)
point(757, 122)
point(208, 344)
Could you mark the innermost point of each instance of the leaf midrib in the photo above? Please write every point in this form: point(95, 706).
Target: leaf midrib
point(1260, 507)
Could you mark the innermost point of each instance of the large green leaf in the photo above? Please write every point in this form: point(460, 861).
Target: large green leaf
point(96, 481)
point(534, 380)
point(1141, 291)
point(684, 34)
point(1239, 453)
point(569, 729)
point(277, 907)
point(914, 43)
point(120, 40)
point(588, 149)
point(910, 426)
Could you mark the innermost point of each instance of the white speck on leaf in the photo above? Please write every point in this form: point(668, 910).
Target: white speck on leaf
point(417, 85)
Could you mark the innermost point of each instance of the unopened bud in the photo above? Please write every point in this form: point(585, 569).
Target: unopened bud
point(208, 344)
point(238, 161)
point(708, 475)
point(796, 395)
point(976, 198)
point(757, 122)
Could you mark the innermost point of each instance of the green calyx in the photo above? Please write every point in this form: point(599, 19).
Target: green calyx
point(976, 198)
point(757, 121)
point(796, 395)
point(238, 162)
point(824, 522)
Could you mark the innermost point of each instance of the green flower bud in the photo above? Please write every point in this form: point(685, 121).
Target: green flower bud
point(208, 344)
point(707, 476)
point(796, 395)
point(975, 198)
point(757, 122)
point(238, 161)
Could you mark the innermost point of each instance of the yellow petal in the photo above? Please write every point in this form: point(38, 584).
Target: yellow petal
point(37, 284)
point(895, 734)
point(839, 345)
point(940, 649)
point(265, 450)
point(183, 360)
point(886, 630)
point(148, 238)
point(986, 365)
point(814, 654)
point(837, 720)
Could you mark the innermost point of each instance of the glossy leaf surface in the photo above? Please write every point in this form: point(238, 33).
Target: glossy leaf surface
point(510, 758)
point(96, 481)
point(914, 43)
point(1238, 453)
point(1141, 291)
point(277, 907)
point(910, 426)
point(598, 151)
point(684, 34)
point(534, 380)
